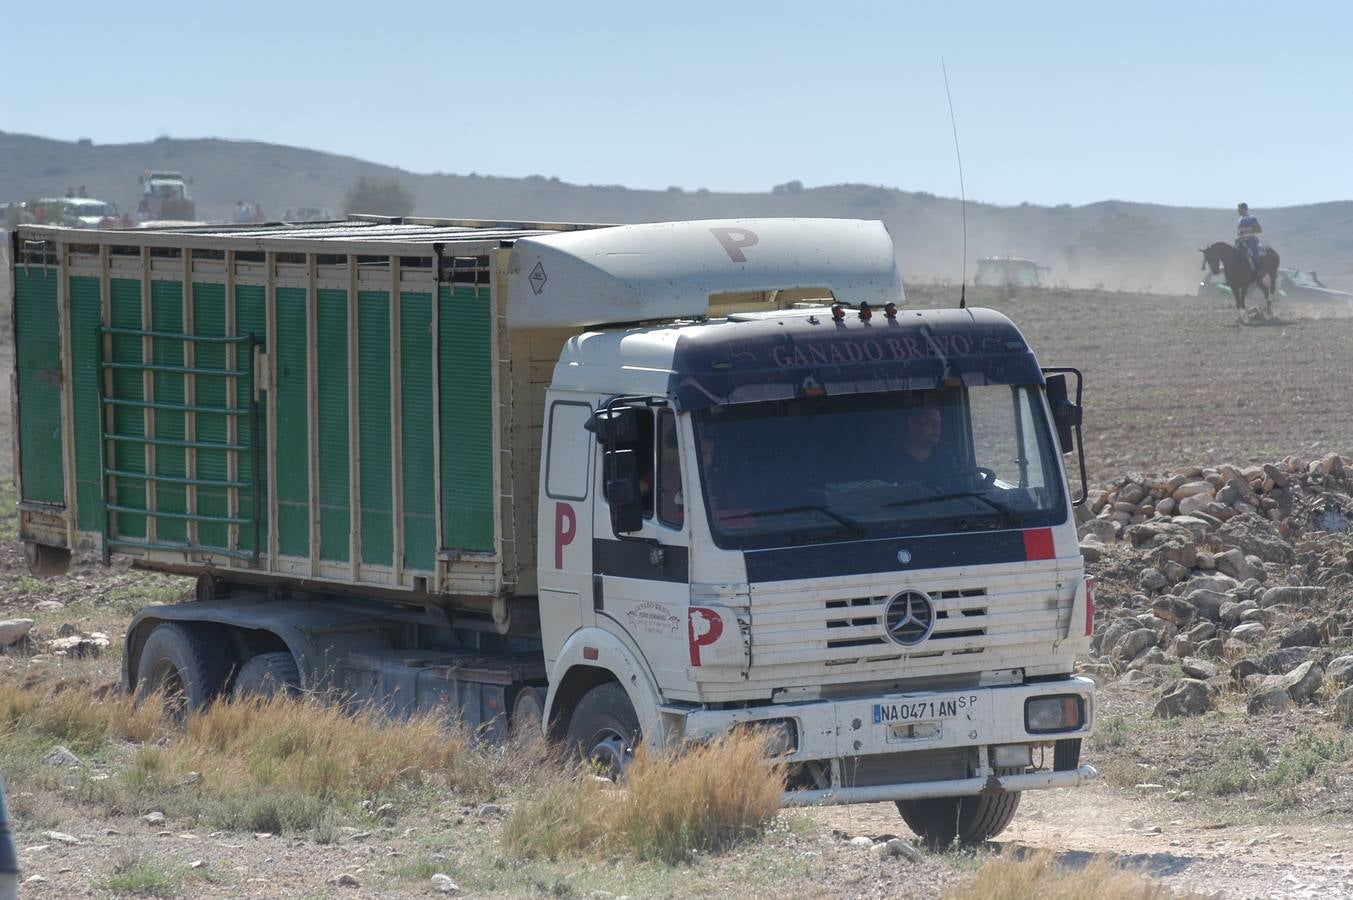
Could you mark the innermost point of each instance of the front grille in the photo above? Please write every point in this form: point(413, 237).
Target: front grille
point(954, 619)
point(908, 768)
point(841, 634)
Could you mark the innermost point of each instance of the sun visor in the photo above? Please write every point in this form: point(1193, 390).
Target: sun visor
point(669, 270)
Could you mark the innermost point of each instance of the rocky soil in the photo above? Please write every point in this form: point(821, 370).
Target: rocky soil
point(1226, 579)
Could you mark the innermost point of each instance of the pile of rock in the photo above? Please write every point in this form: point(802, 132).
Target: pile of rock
point(17, 638)
point(1240, 578)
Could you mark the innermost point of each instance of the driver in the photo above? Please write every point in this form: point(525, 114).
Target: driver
point(925, 458)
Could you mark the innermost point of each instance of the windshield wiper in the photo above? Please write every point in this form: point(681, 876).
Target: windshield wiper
point(845, 522)
point(1007, 514)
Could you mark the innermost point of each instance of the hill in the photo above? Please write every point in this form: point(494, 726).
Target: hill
point(1115, 244)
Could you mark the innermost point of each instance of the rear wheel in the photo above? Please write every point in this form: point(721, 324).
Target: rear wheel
point(267, 675)
point(605, 729)
point(186, 662)
point(528, 715)
point(943, 821)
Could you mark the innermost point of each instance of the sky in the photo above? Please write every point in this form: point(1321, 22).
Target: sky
point(1178, 103)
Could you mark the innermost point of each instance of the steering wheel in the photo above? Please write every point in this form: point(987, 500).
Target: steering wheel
point(983, 476)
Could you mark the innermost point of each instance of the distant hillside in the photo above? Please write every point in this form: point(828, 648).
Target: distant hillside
point(1116, 244)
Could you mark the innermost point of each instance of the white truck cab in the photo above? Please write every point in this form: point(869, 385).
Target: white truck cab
point(733, 524)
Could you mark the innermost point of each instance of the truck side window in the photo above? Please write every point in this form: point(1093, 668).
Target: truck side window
point(643, 451)
point(671, 510)
point(566, 468)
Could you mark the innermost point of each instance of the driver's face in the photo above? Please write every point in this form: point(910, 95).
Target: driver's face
point(925, 427)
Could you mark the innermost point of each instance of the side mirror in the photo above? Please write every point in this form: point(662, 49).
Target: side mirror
point(616, 425)
point(621, 489)
point(1066, 415)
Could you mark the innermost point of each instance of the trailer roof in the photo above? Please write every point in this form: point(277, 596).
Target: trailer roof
point(374, 234)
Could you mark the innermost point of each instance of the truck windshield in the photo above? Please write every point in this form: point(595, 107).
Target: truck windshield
point(868, 466)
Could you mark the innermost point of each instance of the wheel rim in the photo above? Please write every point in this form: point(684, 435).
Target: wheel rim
point(168, 682)
point(611, 754)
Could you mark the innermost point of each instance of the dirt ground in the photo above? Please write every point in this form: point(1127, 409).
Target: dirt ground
point(1170, 381)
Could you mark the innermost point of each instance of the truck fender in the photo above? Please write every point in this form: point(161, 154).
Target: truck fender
point(609, 657)
point(297, 625)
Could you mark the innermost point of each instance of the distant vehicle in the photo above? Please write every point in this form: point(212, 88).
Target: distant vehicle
point(164, 195)
point(1293, 284)
point(86, 212)
point(1009, 272)
point(309, 214)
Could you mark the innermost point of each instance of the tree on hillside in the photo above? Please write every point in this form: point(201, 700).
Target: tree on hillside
point(378, 197)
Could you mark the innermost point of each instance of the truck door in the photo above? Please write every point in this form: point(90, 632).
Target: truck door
point(641, 578)
point(564, 563)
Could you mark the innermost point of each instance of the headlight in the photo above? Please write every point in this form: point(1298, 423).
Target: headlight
point(1044, 715)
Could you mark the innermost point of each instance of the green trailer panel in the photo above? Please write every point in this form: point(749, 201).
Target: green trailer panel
point(373, 428)
point(419, 444)
point(209, 319)
point(128, 423)
point(38, 360)
point(335, 514)
point(86, 315)
point(251, 319)
point(466, 378)
point(166, 316)
point(291, 467)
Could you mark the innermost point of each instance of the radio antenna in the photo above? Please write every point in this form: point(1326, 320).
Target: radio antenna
point(962, 192)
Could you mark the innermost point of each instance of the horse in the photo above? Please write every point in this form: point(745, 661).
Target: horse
point(1239, 275)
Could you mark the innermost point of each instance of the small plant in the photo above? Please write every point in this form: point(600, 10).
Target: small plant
point(147, 878)
point(1110, 733)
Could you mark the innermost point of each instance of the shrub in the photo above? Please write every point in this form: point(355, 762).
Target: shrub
point(672, 807)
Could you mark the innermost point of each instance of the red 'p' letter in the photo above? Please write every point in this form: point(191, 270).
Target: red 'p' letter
point(565, 527)
point(703, 628)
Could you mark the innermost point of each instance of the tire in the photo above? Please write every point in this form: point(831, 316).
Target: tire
point(266, 675)
point(942, 821)
point(46, 561)
point(605, 729)
point(189, 663)
point(526, 726)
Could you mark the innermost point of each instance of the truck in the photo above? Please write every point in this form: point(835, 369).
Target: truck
point(620, 485)
point(164, 198)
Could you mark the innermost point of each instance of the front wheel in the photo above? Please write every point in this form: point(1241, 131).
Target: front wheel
point(942, 821)
point(605, 730)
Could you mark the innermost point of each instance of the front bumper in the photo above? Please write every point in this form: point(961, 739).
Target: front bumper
point(940, 750)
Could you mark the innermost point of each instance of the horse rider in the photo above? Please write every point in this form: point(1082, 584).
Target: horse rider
point(1248, 230)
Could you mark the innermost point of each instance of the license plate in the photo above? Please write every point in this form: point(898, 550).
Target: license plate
point(911, 720)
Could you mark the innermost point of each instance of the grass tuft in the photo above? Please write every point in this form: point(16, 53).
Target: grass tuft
point(140, 877)
point(672, 808)
point(1039, 876)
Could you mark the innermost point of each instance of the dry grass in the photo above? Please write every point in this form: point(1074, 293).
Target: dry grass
point(672, 807)
point(76, 715)
point(1040, 877)
point(283, 765)
point(289, 765)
